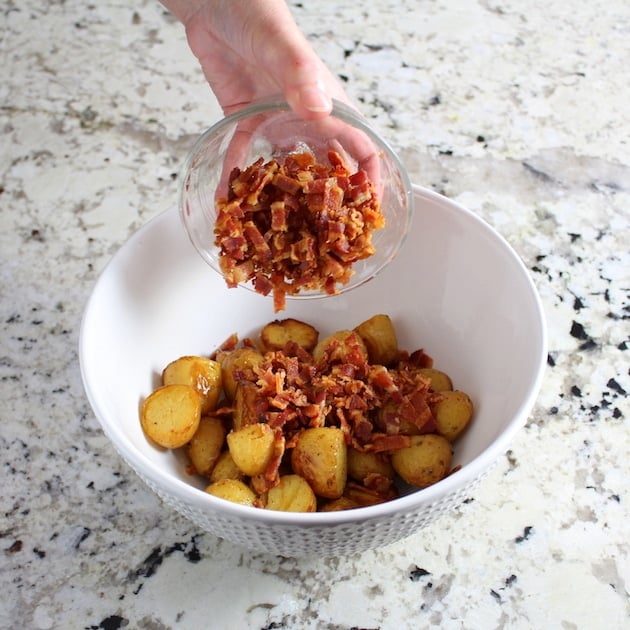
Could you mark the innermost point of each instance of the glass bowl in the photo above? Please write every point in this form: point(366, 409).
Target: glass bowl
point(270, 130)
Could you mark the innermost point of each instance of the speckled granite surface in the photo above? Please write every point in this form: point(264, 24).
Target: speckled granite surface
point(518, 110)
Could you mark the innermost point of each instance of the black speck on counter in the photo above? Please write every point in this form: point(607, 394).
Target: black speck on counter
point(113, 622)
point(527, 531)
point(416, 573)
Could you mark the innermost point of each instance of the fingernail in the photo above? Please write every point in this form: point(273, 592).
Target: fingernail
point(314, 99)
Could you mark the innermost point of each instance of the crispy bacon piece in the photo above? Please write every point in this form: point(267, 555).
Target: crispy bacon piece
point(295, 226)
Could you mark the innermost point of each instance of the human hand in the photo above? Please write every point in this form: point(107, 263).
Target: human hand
point(252, 49)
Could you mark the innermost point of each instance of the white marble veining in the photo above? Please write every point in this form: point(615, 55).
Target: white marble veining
point(518, 110)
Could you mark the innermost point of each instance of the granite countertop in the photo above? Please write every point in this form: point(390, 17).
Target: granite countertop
point(518, 111)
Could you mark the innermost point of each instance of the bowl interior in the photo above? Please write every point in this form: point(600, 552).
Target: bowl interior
point(456, 289)
point(271, 130)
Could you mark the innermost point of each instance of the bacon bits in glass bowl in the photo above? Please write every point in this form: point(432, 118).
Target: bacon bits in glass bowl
point(295, 208)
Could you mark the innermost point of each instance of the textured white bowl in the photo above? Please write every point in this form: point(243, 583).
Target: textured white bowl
point(456, 289)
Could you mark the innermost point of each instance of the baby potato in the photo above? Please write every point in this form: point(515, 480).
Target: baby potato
point(360, 465)
point(170, 415)
point(320, 456)
point(244, 409)
point(232, 490)
point(336, 505)
point(343, 346)
point(440, 381)
point(202, 374)
point(292, 494)
point(204, 448)
point(275, 335)
point(225, 468)
point(237, 365)
point(425, 461)
point(379, 337)
point(452, 414)
point(252, 447)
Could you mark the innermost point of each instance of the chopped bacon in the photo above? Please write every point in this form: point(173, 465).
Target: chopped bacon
point(298, 224)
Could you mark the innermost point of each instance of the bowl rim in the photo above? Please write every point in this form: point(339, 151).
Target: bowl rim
point(476, 468)
point(341, 111)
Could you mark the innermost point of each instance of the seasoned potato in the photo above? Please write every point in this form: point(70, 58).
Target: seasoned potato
point(252, 447)
point(170, 415)
point(452, 414)
point(336, 505)
point(440, 382)
point(360, 465)
point(320, 456)
point(425, 461)
point(292, 494)
point(275, 335)
point(225, 468)
point(232, 490)
point(204, 448)
point(379, 337)
point(343, 346)
point(202, 374)
point(364, 496)
point(244, 409)
point(236, 366)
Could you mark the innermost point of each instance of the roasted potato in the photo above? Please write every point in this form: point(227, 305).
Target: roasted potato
point(225, 468)
point(379, 337)
point(252, 447)
point(232, 490)
point(320, 456)
point(292, 494)
point(343, 346)
point(170, 415)
point(243, 405)
point(276, 335)
point(452, 414)
point(360, 465)
point(425, 461)
point(440, 381)
point(237, 365)
point(336, 505)
point(204, 448)
point(202, 374)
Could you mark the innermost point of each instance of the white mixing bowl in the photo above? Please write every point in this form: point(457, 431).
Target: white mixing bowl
point(456, 289)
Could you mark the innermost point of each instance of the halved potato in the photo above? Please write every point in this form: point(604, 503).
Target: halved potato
point(201, 373)
point(320, 456)
point(292, 494)
point(452, 414)
point(343, 346)
point(440, 381)
point(244, 408)
point(236, 366)
point(276, 334)
point(425, 461)
point(204, 448)
point(232, 490)
point(252, 448)
point(379, 337)
point(170, 415)
point(360, 465)
point(225, 468)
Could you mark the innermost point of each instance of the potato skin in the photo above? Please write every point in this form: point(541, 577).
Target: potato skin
point(440, 381)
point(292, 494)
point(452, 414)
point(170, 415)
point(379, 336)
point(244, 409)
point(232, 490)
point(425, 461)
point(276, 334)
point(252, 447)
point(204, 448)
point(201, 373)
point(320, 456)
point(225, 468)
point(360, 465)
point(237, 364)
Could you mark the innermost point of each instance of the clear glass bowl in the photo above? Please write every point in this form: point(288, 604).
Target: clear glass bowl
point(269, 129)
